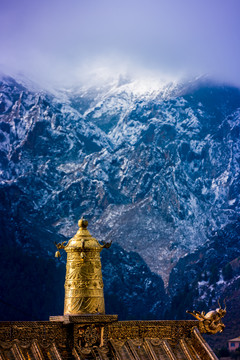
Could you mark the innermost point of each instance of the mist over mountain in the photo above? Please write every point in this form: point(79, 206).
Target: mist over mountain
point(153, 168)
point(59, 42)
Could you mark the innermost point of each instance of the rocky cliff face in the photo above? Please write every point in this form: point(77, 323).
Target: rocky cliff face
point(154, 170)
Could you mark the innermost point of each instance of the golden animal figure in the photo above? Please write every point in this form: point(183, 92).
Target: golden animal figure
point(211, 322)
point(59, 246)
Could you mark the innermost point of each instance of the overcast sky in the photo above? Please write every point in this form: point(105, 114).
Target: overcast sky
point(59, 40)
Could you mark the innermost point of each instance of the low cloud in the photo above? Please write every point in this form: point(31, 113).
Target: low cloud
point(64, 41)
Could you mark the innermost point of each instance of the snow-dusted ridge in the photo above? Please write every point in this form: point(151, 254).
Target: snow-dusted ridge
point(135, 150)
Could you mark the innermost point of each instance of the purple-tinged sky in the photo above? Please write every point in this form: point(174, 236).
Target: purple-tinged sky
point(62, 40)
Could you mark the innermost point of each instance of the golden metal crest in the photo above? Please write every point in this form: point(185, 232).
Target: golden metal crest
point(210, 323)
point(83, 285)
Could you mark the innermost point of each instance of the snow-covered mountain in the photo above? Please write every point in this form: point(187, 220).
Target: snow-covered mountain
point(155, 168)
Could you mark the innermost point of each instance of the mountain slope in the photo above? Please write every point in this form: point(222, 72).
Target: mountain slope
point(155, 170)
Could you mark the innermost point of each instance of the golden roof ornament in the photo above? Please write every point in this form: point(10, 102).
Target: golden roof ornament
point(83, 284)
point(210, 323)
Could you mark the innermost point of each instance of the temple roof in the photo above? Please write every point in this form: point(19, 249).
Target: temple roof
point(103, 337)
point(235, 339)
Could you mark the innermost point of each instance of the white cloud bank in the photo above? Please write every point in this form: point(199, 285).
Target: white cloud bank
point(64, 41)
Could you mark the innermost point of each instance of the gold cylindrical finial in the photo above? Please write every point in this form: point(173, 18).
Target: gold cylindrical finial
point(83, 285)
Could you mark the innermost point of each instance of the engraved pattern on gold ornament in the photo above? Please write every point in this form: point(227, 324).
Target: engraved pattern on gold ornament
point(74, 256)
point(79, 286)
point(87, 336)
point(75, 274)
point(93, 253)
point(97, 284)
point(89, 305)
point(84, 292)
